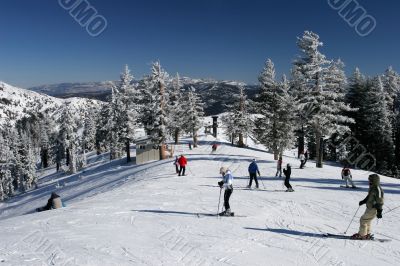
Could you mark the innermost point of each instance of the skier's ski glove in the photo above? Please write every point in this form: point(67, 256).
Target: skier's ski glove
point(379, 214)
point(362, 202)
point(220, 184)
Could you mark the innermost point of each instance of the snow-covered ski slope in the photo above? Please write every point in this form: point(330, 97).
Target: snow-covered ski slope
point(120, 214)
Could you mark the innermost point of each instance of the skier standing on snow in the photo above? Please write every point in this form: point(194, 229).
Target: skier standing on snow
point(305, 158)
point(214, 147)
point(287, 172)
point(253, 171)
point(227, 183)
point(374, 202)
point(347, 177)
point(302, 160)
point(176, 163)
point(182, 165)
point(279, 167)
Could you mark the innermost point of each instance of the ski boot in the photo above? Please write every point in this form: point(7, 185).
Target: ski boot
point(225, 213)
point(357, 236)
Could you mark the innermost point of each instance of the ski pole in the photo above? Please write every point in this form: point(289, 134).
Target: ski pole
point(392, 210)
point(352, 220)
point(262, 182)
point(219, 201)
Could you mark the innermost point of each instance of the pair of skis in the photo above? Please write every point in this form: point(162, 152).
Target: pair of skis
point(347, 237)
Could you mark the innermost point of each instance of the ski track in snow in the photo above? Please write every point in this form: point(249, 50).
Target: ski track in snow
point(119, 214)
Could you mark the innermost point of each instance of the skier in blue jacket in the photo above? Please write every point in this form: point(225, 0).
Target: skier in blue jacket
point(253, 171)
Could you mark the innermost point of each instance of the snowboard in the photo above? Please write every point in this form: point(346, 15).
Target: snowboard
point(346, 237)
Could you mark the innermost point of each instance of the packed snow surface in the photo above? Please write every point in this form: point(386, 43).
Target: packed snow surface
point(123, 214)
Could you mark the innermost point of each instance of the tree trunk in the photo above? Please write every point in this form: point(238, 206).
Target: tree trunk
point(276, 154)
point(195, 140)
point(67, 159)
point(45, 158)
point(320, 149)
point(300, 142)
point(233, 139)
point(98, 149)
point(128, 151)
point(177, 136)
point(241, 142)
point(163, 154)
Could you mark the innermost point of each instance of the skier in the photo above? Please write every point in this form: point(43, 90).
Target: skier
point(227, 183)
point(214, 147)
point(190, 145)
point(302, 160)
point(374, 202)
point(253, 171)
point(182, 165)
point(176, 163)
point(347, 177)
point(279, 167)
point(54, 202)
point(287, 172)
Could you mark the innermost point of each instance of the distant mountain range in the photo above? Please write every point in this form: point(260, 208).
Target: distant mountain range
point(17, 103)
point(214, 93)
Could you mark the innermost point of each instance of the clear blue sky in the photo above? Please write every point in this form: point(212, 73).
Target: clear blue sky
point(40, 42)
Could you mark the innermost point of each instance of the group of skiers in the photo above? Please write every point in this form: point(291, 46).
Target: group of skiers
point(374, 200)
point(180, 165)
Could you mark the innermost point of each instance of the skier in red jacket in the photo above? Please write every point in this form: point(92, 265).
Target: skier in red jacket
point(182, 165)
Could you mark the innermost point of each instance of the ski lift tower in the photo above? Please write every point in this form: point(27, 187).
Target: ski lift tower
point(215, 125)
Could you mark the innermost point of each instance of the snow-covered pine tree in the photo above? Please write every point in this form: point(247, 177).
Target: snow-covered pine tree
point(391, 86)
point(112, 127)
point(68, 137)
point(45, 130)
point(25, 163)
point(89, 130)
point(324, 112)
point(194, 113)
point(263, 99)
point(239, 120)
point(156, 107)
point(101, 138)
point(6, 159)
point(175, 109)
point(127, 110)
point(336, 81)
point(378, 128)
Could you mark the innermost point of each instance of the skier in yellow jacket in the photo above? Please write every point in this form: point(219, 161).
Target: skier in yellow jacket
point(374, 202)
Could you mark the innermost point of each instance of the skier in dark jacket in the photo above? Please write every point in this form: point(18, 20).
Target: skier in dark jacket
point(176, 163)
point(253, 171)
point(287, 172)
point(54, 202)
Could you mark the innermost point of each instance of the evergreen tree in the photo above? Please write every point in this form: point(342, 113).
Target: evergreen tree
point(175, 109)
point(324, 110)
point(268, 85)
point(378, 128)
point(240, 120)
point(194, 113)
point(68, 137)
point(156, 118)
point(127, 110)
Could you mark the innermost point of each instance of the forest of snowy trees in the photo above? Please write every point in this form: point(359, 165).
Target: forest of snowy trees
point(355, 120)
point(38, 141)
point(317, 108)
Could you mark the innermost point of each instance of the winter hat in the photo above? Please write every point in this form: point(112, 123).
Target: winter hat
point(223, 170)
point(375, 180)
point(288, 165)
